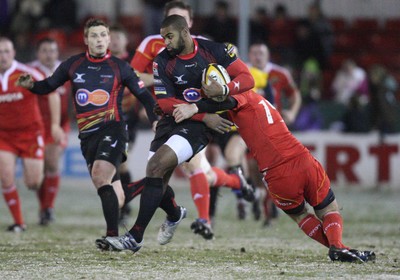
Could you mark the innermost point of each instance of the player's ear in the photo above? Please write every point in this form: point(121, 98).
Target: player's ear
point(85, 39)
point(185, 32)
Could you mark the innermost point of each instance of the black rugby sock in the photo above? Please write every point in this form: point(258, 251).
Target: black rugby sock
point(125, 178)
point(150, 200)
point(109, 202)
point(168, 204)
point(213, 201)
point(133, 189)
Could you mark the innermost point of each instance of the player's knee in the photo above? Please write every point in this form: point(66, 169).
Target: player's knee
point(297, 213)
point(330, 197)
point(155, 169)
point(52, 168)
point(188, 167)
point(328, 205)
point(33, 185)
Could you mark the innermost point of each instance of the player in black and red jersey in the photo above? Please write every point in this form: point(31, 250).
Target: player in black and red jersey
point(98, 80)
point(177, 76)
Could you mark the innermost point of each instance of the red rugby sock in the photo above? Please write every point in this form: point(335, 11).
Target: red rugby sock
point(11, 198)
point(224, 179)
point(312, 227)
point(333, 229)
point(201, 194)
point(50, 187)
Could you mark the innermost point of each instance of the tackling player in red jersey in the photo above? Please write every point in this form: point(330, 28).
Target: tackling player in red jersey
point(293, 175)
point(47, 61)
point(21, 131)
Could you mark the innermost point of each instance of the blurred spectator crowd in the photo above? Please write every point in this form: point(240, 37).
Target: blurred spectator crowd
point(347, 72)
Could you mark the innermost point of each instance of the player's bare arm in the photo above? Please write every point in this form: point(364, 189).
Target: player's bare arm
point(184, 111)
point(57, 132)
point(290, 114)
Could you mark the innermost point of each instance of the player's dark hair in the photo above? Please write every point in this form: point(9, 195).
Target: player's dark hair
point(180, 5)
point(92, 22)
point(45, 40)
point(177, 22)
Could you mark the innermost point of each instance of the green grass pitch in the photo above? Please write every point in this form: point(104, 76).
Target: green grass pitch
point(241, 249)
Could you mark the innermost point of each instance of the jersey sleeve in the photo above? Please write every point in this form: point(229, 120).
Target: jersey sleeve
point(136, 87)
point(141, 61)
point(163, 85)
point(290, 87)
point(242, 80)
point(59, 77)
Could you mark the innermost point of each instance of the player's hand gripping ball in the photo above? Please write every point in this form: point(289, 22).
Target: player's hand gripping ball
point(220, 75)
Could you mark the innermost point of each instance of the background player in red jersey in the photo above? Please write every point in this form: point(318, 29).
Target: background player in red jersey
point(47, 61)
point(293, 176)
point(21, 131)
point(98, 80)
point(281, 81)
point(201, 174)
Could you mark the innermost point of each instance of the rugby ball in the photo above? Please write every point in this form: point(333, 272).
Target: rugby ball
point(219, 74)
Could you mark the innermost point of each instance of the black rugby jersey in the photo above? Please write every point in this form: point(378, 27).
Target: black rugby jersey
point(180, 76)
point(97, 88)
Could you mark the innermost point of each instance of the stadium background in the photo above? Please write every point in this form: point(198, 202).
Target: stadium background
point(364, 30)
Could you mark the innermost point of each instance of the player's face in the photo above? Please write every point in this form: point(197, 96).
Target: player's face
point(7, 54)
point(183, 13)
point(118, 42)
point(173, 40)
point(48, 54)
point(258, 56)
point(97, 40)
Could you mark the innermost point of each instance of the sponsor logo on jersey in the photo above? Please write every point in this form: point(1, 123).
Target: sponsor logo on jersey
point(160, 90)
point(237, 85)
point(104, 80)
point(184, 130)
point(98, 97)
point(179, 80)
point(230, 49)
point(283, 203)
point(107, 138)
point(97, 68)
point(79, 78)
point(157, 82)
point(192, 94)
point(191, 65)
point(11, 97)
point(155, 68)
point(113, 145)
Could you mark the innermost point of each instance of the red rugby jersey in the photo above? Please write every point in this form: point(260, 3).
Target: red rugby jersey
point(19, 108)
point(281, 81)
point(264, 131)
